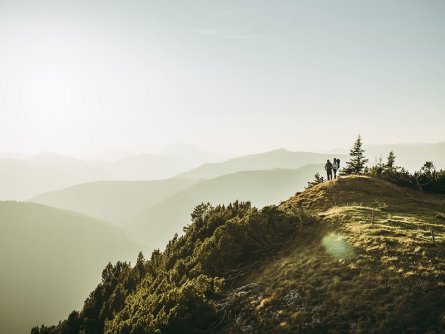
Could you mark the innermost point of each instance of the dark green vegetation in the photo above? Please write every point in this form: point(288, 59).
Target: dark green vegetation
point(426, 179)
point(50, 259)
point(352, 255)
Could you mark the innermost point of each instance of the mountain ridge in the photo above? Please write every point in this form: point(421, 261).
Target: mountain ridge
point(296, 267)
point(112, 201)
point(279, 158)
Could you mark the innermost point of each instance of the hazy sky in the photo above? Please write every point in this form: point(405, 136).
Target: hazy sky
point(230, 76)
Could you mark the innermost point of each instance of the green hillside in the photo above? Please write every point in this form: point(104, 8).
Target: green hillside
point(113, 201)
point(354, 255)
point(50, 260)
point(281, 158)
point(158, 223)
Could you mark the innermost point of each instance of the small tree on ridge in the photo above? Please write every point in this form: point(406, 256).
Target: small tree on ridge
point(357, 163)
point(317, 180)
point(391, 160)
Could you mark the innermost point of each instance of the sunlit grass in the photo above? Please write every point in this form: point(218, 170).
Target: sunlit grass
point(360, 265)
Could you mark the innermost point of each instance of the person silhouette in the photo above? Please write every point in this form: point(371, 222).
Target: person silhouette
point(335, 167)
point(328, 168)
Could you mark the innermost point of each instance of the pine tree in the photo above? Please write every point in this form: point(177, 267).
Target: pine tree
point(317, 179)
point(357, 163)
point(429, 169)
point(391, 160)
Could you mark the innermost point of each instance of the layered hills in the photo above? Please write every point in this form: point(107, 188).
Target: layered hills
point(50, 259)
point(114, 201)
point(155, 225)
point(280, 158)
point(353, 255)
point(23, 178)
point(152, 211)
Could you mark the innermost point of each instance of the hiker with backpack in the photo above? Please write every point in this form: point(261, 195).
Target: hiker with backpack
point(328, 168)
point(336, 166)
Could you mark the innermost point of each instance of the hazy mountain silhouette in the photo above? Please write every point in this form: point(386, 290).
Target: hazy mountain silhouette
point(158, 223)
point(21, 179)
point(113, 201)
point(280, 158)
point(188, 153)
point(144, 167)
point(50, 260)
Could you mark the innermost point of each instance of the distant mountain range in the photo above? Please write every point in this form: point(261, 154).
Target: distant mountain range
point(21, 179)
point(158, 223)
point(113, 201)
point(50, 259)
point(280, 158)
point(153, 211)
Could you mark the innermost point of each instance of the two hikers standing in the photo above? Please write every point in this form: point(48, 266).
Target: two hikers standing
point(332, 167)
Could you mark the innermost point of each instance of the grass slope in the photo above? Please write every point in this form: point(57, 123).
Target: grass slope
point(158, 223)
point(50, 259)
point(113, 201)
point(370, 266)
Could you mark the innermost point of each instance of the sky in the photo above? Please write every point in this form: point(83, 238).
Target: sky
point(84, 77)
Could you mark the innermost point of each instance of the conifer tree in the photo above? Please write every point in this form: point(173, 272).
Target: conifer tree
point(357, 163)
point(317, 179)
point(391, 160)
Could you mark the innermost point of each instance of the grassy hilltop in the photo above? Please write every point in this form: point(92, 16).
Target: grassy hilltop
point(354, 255)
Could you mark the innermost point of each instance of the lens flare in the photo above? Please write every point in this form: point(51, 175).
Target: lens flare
point(337, 246)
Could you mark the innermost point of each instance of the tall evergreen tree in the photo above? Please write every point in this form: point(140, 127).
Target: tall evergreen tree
point(391, 160)
point(357, 163)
